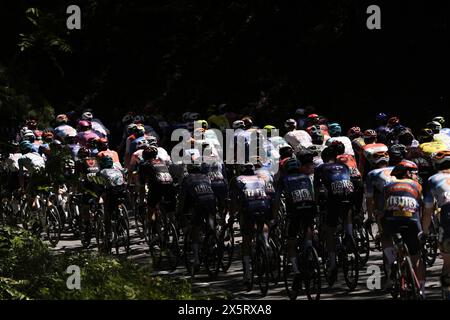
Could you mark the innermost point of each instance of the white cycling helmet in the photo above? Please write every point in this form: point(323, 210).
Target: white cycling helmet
point(141, 144)
point(238, 124)
point(87, 116)
point(138, 119)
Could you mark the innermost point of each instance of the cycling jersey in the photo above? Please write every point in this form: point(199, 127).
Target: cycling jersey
point(84, 136)
point(375, 182)
point(31, 162)
point(298, 190)
point(345, 141)
point(298, 139)
point(403, 199)
point(64, 131)
point(336, 179)
point(444, 138)
point(429, 148)
point(99, 129)
point(250, 193)
point(114, 156)
point(350, 162)
point(439, 189)
point(265, 175)
point(110, 178)
point(367, 151)
point(11, 164)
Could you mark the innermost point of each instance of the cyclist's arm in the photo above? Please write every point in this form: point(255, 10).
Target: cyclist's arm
point(428, 209)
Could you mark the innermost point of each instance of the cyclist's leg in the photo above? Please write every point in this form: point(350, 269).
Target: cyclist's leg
point(347, 214)
point(294, 217)
point(414, 247)
point(246, 226)
point(388, 229)
point(331, 221)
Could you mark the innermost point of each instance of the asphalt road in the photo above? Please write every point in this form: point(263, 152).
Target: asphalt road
point(231, 281)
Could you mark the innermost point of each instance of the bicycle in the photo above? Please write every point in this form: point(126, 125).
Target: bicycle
point(309, 267)
point(406, 286)
point(430, 246)
point(347, 255)
point(120, 226)
point(162, 237)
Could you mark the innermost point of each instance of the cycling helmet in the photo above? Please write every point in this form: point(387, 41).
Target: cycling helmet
point(377, 154)
point(141, 144)
point(425, 135)
point(285, 150)
point(435, 126)
point(334, 129)
point(405, 137)
point(370, 134)
point(393, 121)
point(305, 156)
point(84, 152)
point(87, 116)
point(202, 124)
point(313, 116)
point(29, 135)
point(314, 149)
point(439, 119)
point(300, 111)
point(61, 118)
point(248, 168)
point(31, 124)
point(150, 152)
point(138, 119)
point(130, 128)
point(190, 116)
point(289, 123)
point(328, 154)
point(128, 117)
point(84, 125)
point(381, 117)
point(139, 130)
point(248, 122)
point(152, 141)
point(315, 129)
point(25, 146)
point(292, 165)
point(338, 147)
point(404, 166)
point(238, 124)
point(269, 129)
point(397, 152)
point(47, 136)
point(102, 144)
point(106, 162)
point(440, 157)
point(354, 132)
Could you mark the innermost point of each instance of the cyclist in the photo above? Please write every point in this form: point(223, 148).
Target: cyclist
point(103, 150)
point(298, 139)
point(439, 190)
point(336, 135)
point(337, 181)
point(154, 172)
point(113, 184)
point(397, 152)
point(85, 133)
point(355, 136)
point(382, 130)
point(402, 208)
point(297, 186)
point(249, 199)
point(62, 130)
point(196, 196)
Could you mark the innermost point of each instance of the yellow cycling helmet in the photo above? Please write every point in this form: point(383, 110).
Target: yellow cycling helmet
point(269, 128)
point(202, 124)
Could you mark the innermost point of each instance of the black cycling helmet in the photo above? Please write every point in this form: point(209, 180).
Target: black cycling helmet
point(248, 169)
point(328, 154)
point(149, 152)
point(106, 162)
point(425, 135)
point(397, 153)
point(405, 138)
point(338, 147)
point(292, 165)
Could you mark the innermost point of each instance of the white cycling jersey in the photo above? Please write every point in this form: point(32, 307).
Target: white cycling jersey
point(297, 138)
point(345, 141)
point(31, 162)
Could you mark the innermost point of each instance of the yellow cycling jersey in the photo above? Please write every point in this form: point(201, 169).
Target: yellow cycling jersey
point(428, 148)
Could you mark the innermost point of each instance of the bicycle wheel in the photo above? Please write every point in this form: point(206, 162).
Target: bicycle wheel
point(172, 246)
point(362, 244)
point(350, 264)
point(292, 282)
point(211, 254)
point(408, 289)
point(274, 261)
point(261, 268)
point(430, 248)
point(155, 242)
point(227, 242)
point(188, 254)
point(74, 216)
point(312, 274)
point(121, 229)
point(103, 244)
point(53, 225)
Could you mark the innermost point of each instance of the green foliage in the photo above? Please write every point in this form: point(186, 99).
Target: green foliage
point(29, 270)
